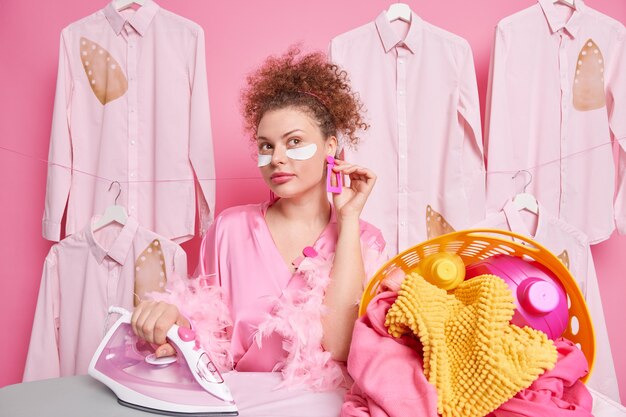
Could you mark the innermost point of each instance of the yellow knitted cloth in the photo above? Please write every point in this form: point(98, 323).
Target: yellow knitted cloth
point(473, 356)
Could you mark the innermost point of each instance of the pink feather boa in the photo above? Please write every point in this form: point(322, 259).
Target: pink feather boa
point(297, 316)
point(204, 308)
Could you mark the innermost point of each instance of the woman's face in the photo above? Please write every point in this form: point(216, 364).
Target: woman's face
point(292, 152)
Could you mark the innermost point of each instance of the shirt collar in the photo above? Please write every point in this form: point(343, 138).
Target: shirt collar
point(121, 246)
point(391, 39)
point(556, 23)
point(516, 223)
point(140, 20)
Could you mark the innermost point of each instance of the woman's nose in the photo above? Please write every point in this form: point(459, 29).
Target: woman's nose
point(279, 156)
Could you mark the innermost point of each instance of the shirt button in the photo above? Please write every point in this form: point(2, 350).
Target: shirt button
point(132, 175)
point(402, 223)
point(132, 110)
point(132, 208)
point(132, 142)
point(400, 61)
point(402, 156)
point(402, 124)
point(401, 93)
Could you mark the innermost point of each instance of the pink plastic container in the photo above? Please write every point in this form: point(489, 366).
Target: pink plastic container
point(541, 300)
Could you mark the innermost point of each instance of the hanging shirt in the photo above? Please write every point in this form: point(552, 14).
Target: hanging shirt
point(131, 106)
point(83, 276)
point(572, 248)
point(557, 97)
point(424, 140)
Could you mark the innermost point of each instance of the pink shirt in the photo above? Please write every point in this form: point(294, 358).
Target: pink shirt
point(252, 274)
point(557, 98)
point(418, 85)
point(83, 276)
point(572, 247)
point(131, 106)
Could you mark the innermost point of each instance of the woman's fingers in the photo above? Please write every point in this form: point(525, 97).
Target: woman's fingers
point(361, 179)
point(166, 317)
point(151, 320)
point(165, 350)
point(348, 168)
point(138, 318)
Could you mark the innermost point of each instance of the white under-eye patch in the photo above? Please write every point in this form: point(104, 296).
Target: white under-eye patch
point(300, 154)
point(264, 160)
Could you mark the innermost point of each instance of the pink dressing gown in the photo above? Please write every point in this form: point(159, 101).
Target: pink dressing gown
point(271, 318)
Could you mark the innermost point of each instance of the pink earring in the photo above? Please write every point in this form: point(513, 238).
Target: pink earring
point(336, 189)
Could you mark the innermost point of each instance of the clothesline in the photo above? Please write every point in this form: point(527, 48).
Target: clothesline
point(75, 170)
point(108, 180)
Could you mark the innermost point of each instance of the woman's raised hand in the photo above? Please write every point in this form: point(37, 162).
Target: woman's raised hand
point(352, 199)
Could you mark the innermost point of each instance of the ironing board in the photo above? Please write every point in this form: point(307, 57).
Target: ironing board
point(80, 396)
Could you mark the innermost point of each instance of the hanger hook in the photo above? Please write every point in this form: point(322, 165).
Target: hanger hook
point(529, 180)
point(118, 192)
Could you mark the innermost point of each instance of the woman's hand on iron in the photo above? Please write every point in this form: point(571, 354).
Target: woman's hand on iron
point(351, 200)
point(152, 319)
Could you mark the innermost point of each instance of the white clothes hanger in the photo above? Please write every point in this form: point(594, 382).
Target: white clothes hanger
point(524, 200)
point(122, 4)
point(570, 3)
point(400, 11)
point(112, 213)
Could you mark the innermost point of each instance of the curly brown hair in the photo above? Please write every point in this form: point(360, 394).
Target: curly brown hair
point(310, 83)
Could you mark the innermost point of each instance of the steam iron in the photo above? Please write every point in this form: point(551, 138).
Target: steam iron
point(187, 384)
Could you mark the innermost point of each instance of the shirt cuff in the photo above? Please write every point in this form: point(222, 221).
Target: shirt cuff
point(51, 230)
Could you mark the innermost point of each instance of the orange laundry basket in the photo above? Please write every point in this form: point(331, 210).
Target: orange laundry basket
point(475, 245)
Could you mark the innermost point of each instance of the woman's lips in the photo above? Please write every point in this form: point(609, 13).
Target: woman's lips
point(281, 177)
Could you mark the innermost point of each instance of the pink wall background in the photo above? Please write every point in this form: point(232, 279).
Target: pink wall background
point(239, 34)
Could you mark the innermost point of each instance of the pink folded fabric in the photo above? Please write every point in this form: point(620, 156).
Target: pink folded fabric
point(556, 393)
point(388, 376)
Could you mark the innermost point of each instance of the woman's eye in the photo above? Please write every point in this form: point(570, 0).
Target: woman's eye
point(294, 141)
point(265, 149)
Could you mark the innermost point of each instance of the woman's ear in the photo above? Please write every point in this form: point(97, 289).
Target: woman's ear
point(331, 146)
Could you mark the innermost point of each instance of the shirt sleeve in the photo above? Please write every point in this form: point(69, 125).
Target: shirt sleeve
point(180, 262)
point(43, 352)
point(603, 377)
point(200, 137)
point(616, 92)
point(499, 187)
point(472, 158)
point(208, 268)
point(60, 151)
point(331, 53)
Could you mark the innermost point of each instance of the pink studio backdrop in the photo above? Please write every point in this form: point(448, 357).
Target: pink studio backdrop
point(239, 34)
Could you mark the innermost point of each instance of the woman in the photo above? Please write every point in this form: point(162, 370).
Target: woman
point(290, 272)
